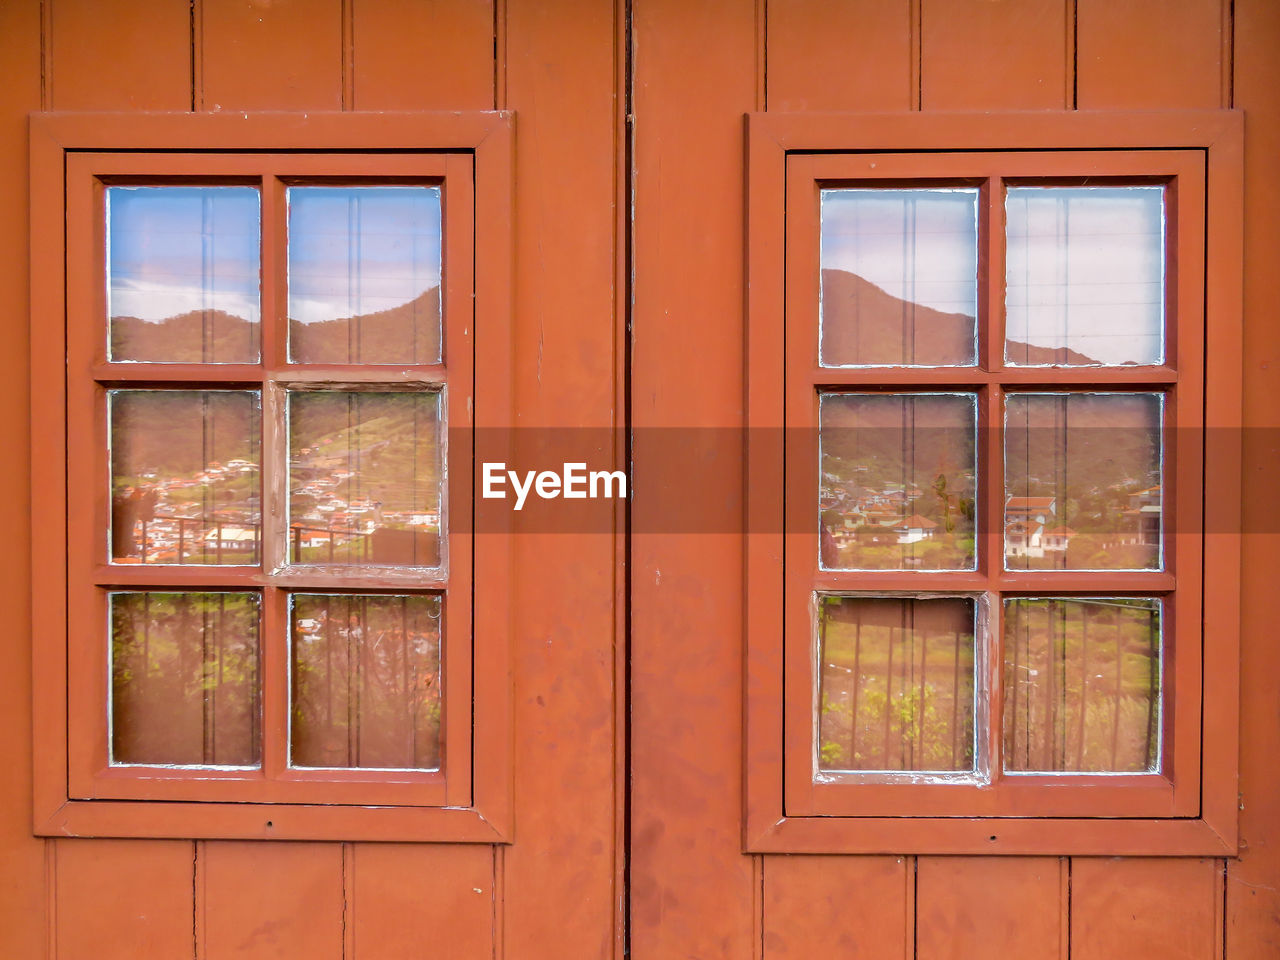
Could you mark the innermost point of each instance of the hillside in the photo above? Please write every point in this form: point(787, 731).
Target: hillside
point(864, 324)
point(409, 333)
point(200, 336)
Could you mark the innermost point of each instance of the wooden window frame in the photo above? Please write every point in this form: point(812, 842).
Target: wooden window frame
point(1189, 808)
point(77, 791)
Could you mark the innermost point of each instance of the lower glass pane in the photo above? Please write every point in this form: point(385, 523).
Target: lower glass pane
point(1082, 685)
point(184, 679)
point(896, 680)
point(366, 681)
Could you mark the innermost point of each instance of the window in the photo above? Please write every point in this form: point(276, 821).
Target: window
point(275, 364)
point(989, 367)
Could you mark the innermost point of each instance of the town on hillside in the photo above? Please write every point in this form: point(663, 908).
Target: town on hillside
point(364, 487)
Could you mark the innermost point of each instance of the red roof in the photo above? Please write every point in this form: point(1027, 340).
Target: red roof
point(915, 520)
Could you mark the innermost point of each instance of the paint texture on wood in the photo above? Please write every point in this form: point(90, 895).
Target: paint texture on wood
point(1145, 909)
point(270, 54)
point(1149, 53)
point(121, 55)
point(837, 907)
point(102, 915)
point(857, 55)
point(972, 908)
point(405, 900)
point(422, 55)
point(1253, 881)
point(985, 54)
point(274, 903)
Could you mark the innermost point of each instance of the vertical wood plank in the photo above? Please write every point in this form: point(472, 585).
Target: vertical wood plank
point(271, 54)
point(404, 897)
point(1253, 881)
point(124, 899)
point(276, 901)
point(121, 55)
point(423, 55)
point(1145, 909)
point(1149, 53)
point(854, 55)
point(558, 878)
point(973, 908)
point(980, 54)
point(23, 930)
point(692, 887)
point(837, 907)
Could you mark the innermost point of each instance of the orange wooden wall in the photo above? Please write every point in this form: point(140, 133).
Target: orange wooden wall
point(697, 68)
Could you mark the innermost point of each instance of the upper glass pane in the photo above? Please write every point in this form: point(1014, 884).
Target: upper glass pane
point(183, 274)
point(365, 478)
point(896, 490)
point(897, 681)
point(1082, 685)
point(1084, 275)
point(899, 277)
point(1082, 481)
point(364, 274)
point(185, 481)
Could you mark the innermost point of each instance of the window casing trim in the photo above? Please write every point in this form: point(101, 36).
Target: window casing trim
point(481, 811)
point(1202, 820)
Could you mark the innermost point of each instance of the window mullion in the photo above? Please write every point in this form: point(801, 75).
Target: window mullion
point(275, 680)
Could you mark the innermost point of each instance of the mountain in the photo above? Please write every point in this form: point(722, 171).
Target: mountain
point(200, 336)
point(409, 333)
point(863, 324)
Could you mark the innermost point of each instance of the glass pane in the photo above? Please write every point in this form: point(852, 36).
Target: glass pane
point(897, 482)
point(366, 681)
point(182, 274)
point(1082, 685)
point(897, 684)
point(364, 274)
point(184, 678)
point(1084, 275)
point(899, 277)
point(365, 474)
point(185, 486)
point(1082, 481)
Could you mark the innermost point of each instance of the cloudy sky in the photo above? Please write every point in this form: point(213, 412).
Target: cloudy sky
point(1085, 270)
point(1084, 265)
point(358, 250)
point(352, 250)
point(916, 245)
point(172, 250)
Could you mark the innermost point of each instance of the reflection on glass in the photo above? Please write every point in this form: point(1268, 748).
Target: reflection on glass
point(364, 274)
point(1082, 481)
point(366, 681)
point(896, 684)
point(365, 472)
point(184, 678)
point(899, 277)
point(185, 486)
point(1084, 275)
point(1082, 685)
point(897, 481)
point(182, 274)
